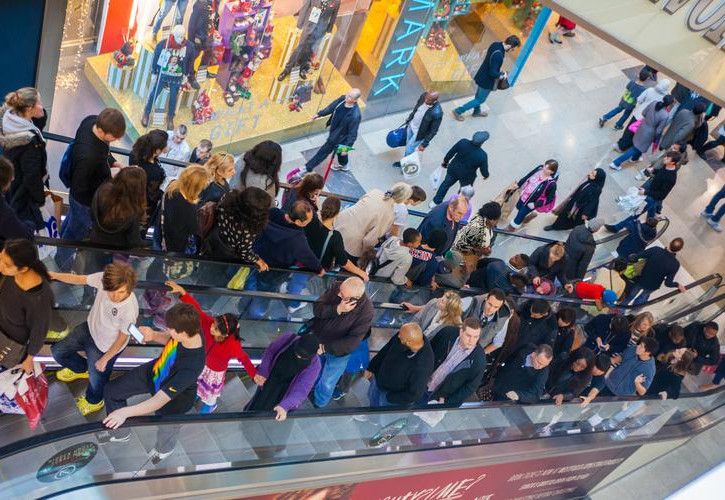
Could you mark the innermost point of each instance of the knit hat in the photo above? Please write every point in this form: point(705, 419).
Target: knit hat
point(609, 297)
point(595, 224)
point(480, 137)
point(467, 192)
point(306, 346)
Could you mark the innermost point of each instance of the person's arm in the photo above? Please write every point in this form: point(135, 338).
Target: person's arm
point(498, 339)
point(435, 126)
point(710, 355)
point(116, 347)
point(327, 110)
point(589, 397)
point(243, 357)
point(325, 307)
point(352, 130)
point(151, 336)
point(495, 63)
point(640, 385)
point(377, 360)
point(584, 262)
point(670, 278)
point(416, 387)
point(532, 394)
point(118, 417)
point(69, 278)
point(301, 386)
point(351, 268)
point(451, 153)
point(483, 167)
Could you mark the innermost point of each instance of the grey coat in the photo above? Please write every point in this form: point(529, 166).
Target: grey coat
point(680, 129)
point(580, 248)
point(651, 128)
point(425, 316)
point(490, 329)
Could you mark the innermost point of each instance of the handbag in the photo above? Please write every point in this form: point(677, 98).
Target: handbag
point(547, 206)
point(398, 137)
point(436, 178)
point(502, 83)
point(634, 126)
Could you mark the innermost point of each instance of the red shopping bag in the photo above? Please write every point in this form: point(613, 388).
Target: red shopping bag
point(34, 400)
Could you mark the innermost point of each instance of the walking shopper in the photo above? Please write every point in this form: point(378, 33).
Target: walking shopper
point(422, 124)
point(720, 141)
point(650, 95)
point(488, 76)
point(538, 192)
point(661, 184)
point(461, 163)
point(564, 27)
point(661, 266)
point(648, 132)
point(343, 123)
point(639, 235)
point(582, 204)
point(628, 101)
point(712, 216)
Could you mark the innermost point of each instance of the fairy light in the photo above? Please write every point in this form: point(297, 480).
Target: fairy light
point(74, 30)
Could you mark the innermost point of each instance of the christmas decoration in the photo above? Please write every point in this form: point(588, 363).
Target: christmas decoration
point(123, 57)
point(202, 110)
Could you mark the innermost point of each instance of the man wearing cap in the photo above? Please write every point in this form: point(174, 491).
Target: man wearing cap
point(422, 124)
point(461, 163)
point(580, 246)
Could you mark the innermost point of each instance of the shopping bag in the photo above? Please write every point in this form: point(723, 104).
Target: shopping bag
point(397, 138)
point(507, 200)
point(32, 397)
point(631, 202)
point(9, 406)
point(436, 178)
point(239, 279)
point(50, 213)
point(634, 126)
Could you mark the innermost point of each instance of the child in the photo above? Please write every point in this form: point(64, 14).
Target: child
point(222, 343)
point(425, 264)
point(593, 291)
point(103, 336)
point(394, 259)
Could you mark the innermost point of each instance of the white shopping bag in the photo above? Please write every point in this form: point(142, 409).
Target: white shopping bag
point(437, 177)
point(50, 219)
point(632, 201)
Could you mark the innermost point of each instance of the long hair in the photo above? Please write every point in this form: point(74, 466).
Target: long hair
point(249, 208)
point(451, 314)
point(145, 147)
point(21, 100)
point(23, 253)
point(638, 320)
point(217, 163)
point(123, 198)
point(309, 183)
point(684, 365)
point(264, 159)
point(400, 192)
point(580, 379)
point(190, 184)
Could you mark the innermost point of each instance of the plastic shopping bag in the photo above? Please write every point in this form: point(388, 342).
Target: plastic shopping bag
point(32, 397)
point(436, 178)
point(632, 201)
point(50, 213)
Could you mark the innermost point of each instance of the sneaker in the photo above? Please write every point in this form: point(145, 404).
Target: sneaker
point(396, 164)
point(602, 121)
point(338, 395)
point(66, 375)
point(87, 408)
point(618, 127)
point(57, 334)
point(340, 168)
point(145, 120)
point(715, 225)
point(615, 167)
point(294, 309)
point(549, 227)
point(115, 436)
point(156, 456)
point(457, 116)
point(480, 114)
point(705, 214)
point(205, 408)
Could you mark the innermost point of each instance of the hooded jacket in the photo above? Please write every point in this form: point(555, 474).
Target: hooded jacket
point(580, 246)
point(464, 159)
point(653, 124)
point(395, 261)
point(284, 245)
point(650, 95)
point(340, 333)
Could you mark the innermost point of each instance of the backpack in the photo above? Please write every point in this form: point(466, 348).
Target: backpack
point(293, 178)
point(65, 165)
point(547, 206)
point(206, 216)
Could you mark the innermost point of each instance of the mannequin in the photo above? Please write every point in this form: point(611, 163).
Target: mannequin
point(202, 23)
point(316, 18)
point(164, 11)
point(173, 65)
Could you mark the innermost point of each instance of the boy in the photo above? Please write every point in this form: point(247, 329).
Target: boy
point(628, 101)
point(394, 259)
point(170, 378)
point(592, 291)
point(425, 263)
point(103, 336)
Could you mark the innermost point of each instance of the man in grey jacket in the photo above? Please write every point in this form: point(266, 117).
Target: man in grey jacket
point(493, 313)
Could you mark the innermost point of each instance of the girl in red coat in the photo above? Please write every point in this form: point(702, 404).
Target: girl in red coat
point(222, 343)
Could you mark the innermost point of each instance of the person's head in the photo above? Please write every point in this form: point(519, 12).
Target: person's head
point(480, 137)
point(203, 150)
point(601, 364)
point(678, 147)
point(450, 308)
point(676, 245)
point(494, 302)
point(437, 240)
point(676, 334)
point(179, 134)
point(411, 336)
point(541, 356)
point(7, 174)
point(519, 261)
point(431, 97)
point(330, 208)
point(672, 159)
point(457, 208)
point(111, 126)
point(178, 32)
point(310, 187)
point(412, 238)
point(20, 258)
point(123, 198)
point(352, 96)
point(264, 158)
point(490, 211)
point(663, 86)
point(651, 222)
point(306, 347)
point(644, 75)
point(642, 324)
point(684, 363)
point(540, 309)
point(598, 175)
point(149, 146)
point(699, 108)
point(646, 348)
point(351, 290)
point(619, 265)
point(519, 280)
point(470, 333)
point(399, 192)
point(225, 325)
point(417, 196)
point(249, 208)
point(556, 252)
point(220, 167)
point(581, 360)
point(300, 214)
point(191, 182)
point(710, 329)
point(119, 280)
point(619, 325)
point(565, 317)
point(26, 103)
point(182, 322)
point(666, 103)
point(551, 167)
point(511, 43)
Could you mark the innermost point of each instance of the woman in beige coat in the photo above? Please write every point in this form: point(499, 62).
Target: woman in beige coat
point(368, 220)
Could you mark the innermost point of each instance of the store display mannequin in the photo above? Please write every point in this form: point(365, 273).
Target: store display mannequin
point(164, 11)
point(202, 24)
point(173, 64)
point(316, 18)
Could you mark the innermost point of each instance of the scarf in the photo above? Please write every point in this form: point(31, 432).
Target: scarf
point(14, 124)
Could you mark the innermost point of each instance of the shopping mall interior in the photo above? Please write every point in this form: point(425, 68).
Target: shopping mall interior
point(235, 73)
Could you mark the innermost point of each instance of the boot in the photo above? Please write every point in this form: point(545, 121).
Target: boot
point(283, 75)
point(194, 84)
point(145, 120)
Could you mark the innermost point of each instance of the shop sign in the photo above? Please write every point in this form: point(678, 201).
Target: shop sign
point(67, 462)
point(702, 18)
point(410, 28)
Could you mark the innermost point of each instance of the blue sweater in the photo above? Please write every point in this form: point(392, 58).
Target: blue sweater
point(621, 380)
point(284, 245)
point(437, 219)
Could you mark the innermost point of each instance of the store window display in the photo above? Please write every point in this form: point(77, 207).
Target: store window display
point(164, 10)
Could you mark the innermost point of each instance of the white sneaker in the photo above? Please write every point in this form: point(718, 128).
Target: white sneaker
point(156, 456)
point(294, 309)
point(715, 225)
point(641, 176)
point(705, 214)
point(615, 167)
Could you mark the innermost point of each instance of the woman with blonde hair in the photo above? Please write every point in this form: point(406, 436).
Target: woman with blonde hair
point(641, 326)
point(221, 170)
point(437, 313)
point(371, 218)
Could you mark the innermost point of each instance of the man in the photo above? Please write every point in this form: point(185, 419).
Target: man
point(523, 379)
point(401, 369)
point(659, 162)
point(661, 266)
point(565, 331)
point(171, 379)
point(601, 365)
point(580, 246)
point(487, 76)
point(90, 166)
point(422, 124)
point(179, 149)
point(344, 121)
point(634, 370)
point(662, 182)
point(201, 153)
point(538, 325)
point(493, 314)
point(447, 217)
point(461, 163)
point(458, 362)
point(639, 235)
point(711, 216)
point(511, 276)
point(702, 337)
point(343, 316)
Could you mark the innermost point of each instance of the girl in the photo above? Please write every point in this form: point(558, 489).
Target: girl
point(538, 190)
point(582, 204)
point(222, 343)
point(221, 170)
point(667, 382)
point(308, 189)
point(261, 168)
point(119, 210)
point(145, 154)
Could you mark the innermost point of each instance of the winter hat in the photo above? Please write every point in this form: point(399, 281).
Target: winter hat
point(609, 297)
point(480, 137)
point(595, 224)
point(663, 86)
point(306, 346)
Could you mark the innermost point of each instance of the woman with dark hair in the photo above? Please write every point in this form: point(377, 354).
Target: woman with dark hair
point(477, 236)
point(649, 131)
point(571, 375)
point(118, 210)
point(145, 154)
point(240, 218)
point(261, 168)
point(26, 303)
point(607, 333)
point(667, 381)
point(308, 189)
point(582, 204)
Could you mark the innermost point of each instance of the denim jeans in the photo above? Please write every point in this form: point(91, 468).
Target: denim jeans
point(614, 112)
point(448, 181)
point(322, 153)
point(635, 299)
point(269, 281)
point(632, 153)
point(76, 227)
point(174, 84)
point(523, 211)
point(710, 208)
point(652, 206)
point(411, 144)
point(166, 8)
point(376, 396)
point(297, 282)
point(332, 369)
point(475, 103)
point(66, 354)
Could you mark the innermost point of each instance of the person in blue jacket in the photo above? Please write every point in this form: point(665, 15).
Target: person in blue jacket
point(487, 76)
point(344, 121)
point(639, 235)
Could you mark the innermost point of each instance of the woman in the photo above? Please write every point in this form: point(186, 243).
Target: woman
point(26, 301)
point(437, 313)
point(221, 170)
point(649, 131)
point(571, 375)
point(239, 218)
point(178, 227)
point(550, 262)
point(363, 224)
point(538, 191)
point(23, 117)
point(640, 326)
point(477, 236)
point(669, 338)
point(290, 366)
point(650, 95)
point(145, 154)
point(667, 381)
point(308, 189)
point(118, 210)
point(582, 204)
point(261, 168)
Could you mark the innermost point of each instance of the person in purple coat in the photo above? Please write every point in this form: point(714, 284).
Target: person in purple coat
point(290, 366)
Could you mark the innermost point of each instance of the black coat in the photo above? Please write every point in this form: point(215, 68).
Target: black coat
point(342, 130)
point(490, 70)
point(535, 331)
point(11, 227)
point(708, 350)
point(599, 327)
point(464, 159)
point(431, 121)
point(580, 247)
point(583, 202)
point(527, 382)
point(199, 23)
point(540, 260)
point(91, 162)
point(402, 377)
point(465, 377)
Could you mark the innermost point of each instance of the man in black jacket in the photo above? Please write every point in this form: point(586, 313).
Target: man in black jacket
point(661, 183)
point(702, 337)
point(11, 227)
point(661, 266)
point(487, 76)
point(459, 363)
point(401, 368)
point(344, 122)
point(580, 246)
point(538, 325)
point(422, 123)
point(523, 378)
point(461, 163)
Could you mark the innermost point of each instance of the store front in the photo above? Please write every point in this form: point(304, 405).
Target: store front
point(263, 68)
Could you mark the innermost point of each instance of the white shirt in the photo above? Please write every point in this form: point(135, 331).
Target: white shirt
point(178, 152)
point(418, 118)
point(107, 318)
point(401, 215)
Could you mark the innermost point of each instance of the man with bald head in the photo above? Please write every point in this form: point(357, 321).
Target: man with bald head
point(343, 316)
point(422, 123)
point(344, 121)
point(400, 371)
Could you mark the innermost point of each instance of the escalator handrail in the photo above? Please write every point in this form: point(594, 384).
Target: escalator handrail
point(700, 306)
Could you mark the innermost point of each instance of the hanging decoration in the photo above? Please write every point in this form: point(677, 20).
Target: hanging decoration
point(77, 19)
